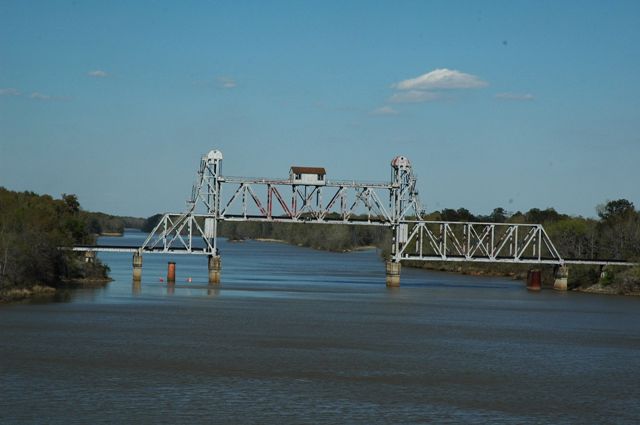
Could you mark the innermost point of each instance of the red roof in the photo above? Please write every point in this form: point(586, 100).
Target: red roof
point(308, 170)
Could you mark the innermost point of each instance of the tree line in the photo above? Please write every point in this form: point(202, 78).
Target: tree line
point(106, 224)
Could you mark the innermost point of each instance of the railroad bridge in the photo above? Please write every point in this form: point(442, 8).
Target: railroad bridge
point(306, 196)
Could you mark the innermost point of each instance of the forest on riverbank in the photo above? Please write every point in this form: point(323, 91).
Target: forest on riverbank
point(32, 229)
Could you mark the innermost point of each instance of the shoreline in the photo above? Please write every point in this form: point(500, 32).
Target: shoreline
point(601, 289)
point(269, 240)
point(18, 295)
point(596, 288)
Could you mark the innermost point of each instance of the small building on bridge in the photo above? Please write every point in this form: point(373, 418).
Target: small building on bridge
point(307, 175)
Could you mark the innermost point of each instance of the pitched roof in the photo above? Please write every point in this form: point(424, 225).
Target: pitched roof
point(308, 170)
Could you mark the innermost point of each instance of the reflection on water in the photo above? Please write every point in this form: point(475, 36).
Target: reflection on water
point(136, 287)
point(213, 290)
point(300, 336)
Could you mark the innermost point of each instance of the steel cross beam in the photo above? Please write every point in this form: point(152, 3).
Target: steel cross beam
point(330, 202)
point(484, 242)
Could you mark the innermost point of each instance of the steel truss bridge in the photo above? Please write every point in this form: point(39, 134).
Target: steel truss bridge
point(394, 204)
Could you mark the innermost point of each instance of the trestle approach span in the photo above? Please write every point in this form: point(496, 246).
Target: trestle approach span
point(312, 199)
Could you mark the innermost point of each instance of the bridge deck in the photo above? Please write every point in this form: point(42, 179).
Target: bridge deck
point(523, 260)
point(132, 249)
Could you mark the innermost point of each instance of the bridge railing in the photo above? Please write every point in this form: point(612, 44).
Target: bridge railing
point(178, 232)
point(273, 200)
point(470, 241)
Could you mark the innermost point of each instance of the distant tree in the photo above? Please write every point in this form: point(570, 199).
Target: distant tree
point(93, 226)
point(71, 201)
point(465, 215)
point(448, 214)
point(151, 222)
point(615, 209)
point(517, 217)
point(499, 215)
point(619, 230)
point(537, 216)
point(461, 214)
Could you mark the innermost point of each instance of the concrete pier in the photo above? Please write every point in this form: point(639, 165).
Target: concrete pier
point(393, 274)
point(561, 278)
point(215, 266)
point(137, 267)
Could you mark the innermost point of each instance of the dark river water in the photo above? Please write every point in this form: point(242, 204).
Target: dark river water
point(294, 335)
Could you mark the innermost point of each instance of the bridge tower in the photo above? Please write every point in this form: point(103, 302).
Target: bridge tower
point(207, 190)
point(404, 202)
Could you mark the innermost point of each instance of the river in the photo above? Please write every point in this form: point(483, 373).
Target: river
point(294, 335)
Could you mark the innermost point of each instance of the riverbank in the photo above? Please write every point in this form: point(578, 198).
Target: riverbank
point(599, 288)
point(14, 295)
point(581, 278)
point(111, 234)
point(22, 294)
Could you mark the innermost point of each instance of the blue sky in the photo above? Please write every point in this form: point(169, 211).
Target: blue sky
point(513, 104)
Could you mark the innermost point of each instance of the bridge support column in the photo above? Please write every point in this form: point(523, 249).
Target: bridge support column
point(534, 282)
point(393, 274)
point(215, 266)
point(562, 276)
point(89, 256)
point(137, 267)
point(171, 272)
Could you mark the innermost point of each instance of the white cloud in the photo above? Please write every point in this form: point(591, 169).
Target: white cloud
point(441, 79)
point(98, 73)
point(384, 110)
point(227, 82)
point(9, 92)
point(39, 96)
point(414, 96)
point(515, 96)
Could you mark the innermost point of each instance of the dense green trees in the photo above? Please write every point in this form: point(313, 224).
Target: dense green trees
point(101, 223)
point(320, 236)
point(32, 228)
point(151, 222)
